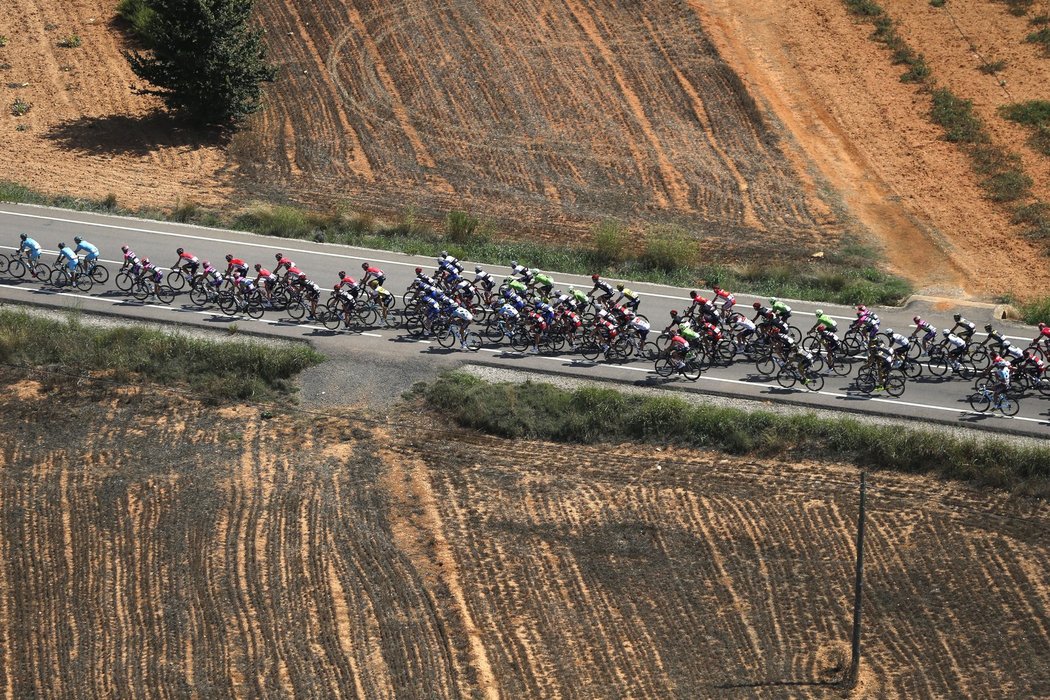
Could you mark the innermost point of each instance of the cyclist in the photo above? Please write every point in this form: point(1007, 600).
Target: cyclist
point(311, 292)
point(728, 300)
point(243, 286)
point(761, 312)
point(348, 301)
point(743, 328)
point(372, 273)
point(824, 320)
point(898, 343)
point(517, 286)
point(579, 299)
point(459, 320)
point(831, 343)
point(606, 329)
point(383, 299)
point(235, 265)
point(966, 328)
point(211, 275)
point(90, 252)
point(639, 325)
point(151, 273)
point(520, 270)
point(881, 358)
point(187, 262)
point(284, 262)
point(705, 307)
point(483, 281)
point(130, 259)
point(602, 290)
point(265, 281)
point(1042, 339)
point(780, 308)
point(955, 347)
point(539, 325)
point(926, 328)
point(626, 297)
point(66, 253)
point(677, 350)
point(346, 280)
point(867, 320)
point(31, 248)
point(802, 361)
point(1001, 378)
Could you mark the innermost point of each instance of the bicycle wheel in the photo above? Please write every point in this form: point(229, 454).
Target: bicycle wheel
point(493, 331)
point(366, 316)
point(124, 282)
point(100, 273)
point(165, 294)
point(176, 280)
point(692, 370)
point(1009, 406)
point(296, 310)
point(866, 381)
point(840, 367)
point(590, 350)
point(254, 308)
point(966, 369)
point(938, 364)
point(5, 263)
point(199, 296)
point(328, 318)
point(766, 366)
point(650, 350)
point(786, 377)
point(814, 381)
point(139, 290)
point(911, 368)
point(414, 325)
point(227, 303)
point(84, 282)
point(473, 341)
point(17, 268)
point(980, 401)
point(663, 367)
point(444, 336)
point(521, 340)
point(895, 386)
point(980, 358)
point(811, 343)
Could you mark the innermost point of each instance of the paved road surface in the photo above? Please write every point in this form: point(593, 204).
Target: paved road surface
point(926, 398)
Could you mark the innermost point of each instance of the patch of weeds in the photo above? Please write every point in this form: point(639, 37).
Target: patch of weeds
point(937, 3)
point(3, 41)
point(1036, 311)
point(918, 71)
point(1039, 20)
point(22, 127)
point(961, 124)
point(280, 221)
point(19, 108)
point(461, 227)
point(1018, 8)
point(110, 202)
point(184, 212)
point(1007, 186)
point(72, 41)
point(991, 67)
point(1041, 37)
point(669, 248)
point(1036, 216)
point(612, 242)
point(1035, 114)
point(50, 27)
point(864, 8)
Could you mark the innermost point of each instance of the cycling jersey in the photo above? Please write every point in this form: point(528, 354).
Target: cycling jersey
point(828, 322)
point(688, 333)
point(518, 286)
point(31, 247)
point(543, 280)
point(898, 340)
point(955, 341)
point(781, 308)
point(70, 256)
point(507, 311)
point(485, 280)
point(90, 250)
point(679, 343)
point(602, 286)
point(742, 323)
point(578, 296)
point(285, 263)
point(347, 281)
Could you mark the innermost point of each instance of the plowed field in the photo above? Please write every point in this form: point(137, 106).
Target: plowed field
point(537, 113)
point(154, 548)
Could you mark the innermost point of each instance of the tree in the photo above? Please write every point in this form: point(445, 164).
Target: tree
point(204, 59)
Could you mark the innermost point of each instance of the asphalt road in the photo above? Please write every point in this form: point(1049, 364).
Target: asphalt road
point(927, 398)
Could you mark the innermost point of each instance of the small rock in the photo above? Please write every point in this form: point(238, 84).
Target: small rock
point(818, 254)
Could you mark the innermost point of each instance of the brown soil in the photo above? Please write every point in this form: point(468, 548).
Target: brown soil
point(153, 547)
point(88, 133)
point(869, 135)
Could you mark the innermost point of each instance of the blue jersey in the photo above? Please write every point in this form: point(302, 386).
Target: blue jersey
point(87, 248)
point(68, 254)
point(30, 245)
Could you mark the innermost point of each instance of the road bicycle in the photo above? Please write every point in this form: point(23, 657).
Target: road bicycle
point(231, 304)
point(985, 399)
point(893, 383)
point(179, 278)
point(98, 272)
point(791, 374)
point(142, 289)
point(691, 367)
point(19, 264)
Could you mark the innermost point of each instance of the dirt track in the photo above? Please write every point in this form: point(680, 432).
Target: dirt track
point(150, 547)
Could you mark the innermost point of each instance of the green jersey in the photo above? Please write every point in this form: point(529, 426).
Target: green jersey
point(688, 333)
point(781, 308)
point(518, 286)
point(578, 296)
point(544, 280)
point(828, 322)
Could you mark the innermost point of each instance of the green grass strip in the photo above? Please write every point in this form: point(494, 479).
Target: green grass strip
point(591, 415)
point(216, 371)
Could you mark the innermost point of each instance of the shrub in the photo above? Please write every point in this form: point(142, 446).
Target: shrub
point(864, 8)
point(937, 3)
point(3, 41)
point(184, 212)
point(1036, 311)
point(109, 202)
point(1007, 186)
point(956, 116)
point(612, 242)
point(1034, 114)
point(140, 16)
point(19, 108)
point(1041, 37)
point(1018, 8)
point(461, 227)
point(918, 70)
point(668, 248)
point(70, 42)
point(1037, 217)
point(990, 67)
point(281, 221)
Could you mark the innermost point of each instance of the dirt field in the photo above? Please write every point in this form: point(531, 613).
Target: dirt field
point(152, 547)
point(748, 122)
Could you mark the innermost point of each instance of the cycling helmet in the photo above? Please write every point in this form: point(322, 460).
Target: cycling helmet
point(957, 317)
point(342, 273)
point(206, 264)
point(61, 246)
point(77, 239)
point(861, 307)
point(1041, 325)
point(278, 256)
point(818, 312)
point(716, 288)
point(988, 328)
point(124, 248)
point(889, 331)
point(513, 263)
point(477, 269)
point(302, 276)
point(23, 236)
point(373, 283)
point(444, 253)
point(694, 294)
point(757, 305)
point(145, 261)
point(596, 277)
point(364, 266)
point(572, 288)
point(179, 251)
point(945, 332)
point(820, 327)
point(773, 300)
point(674, 312)
point(619, 287)
point(229, 257)
point(258, 266)
point(419, 271)
point(859, 314)
point(916, 320)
